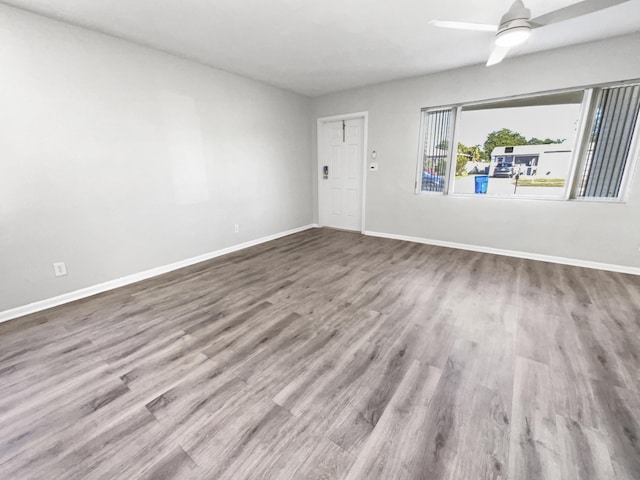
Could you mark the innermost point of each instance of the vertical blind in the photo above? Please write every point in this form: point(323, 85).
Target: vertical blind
point(610, 142)
point(436, 149)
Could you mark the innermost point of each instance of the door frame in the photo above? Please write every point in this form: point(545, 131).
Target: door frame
point(336, 118)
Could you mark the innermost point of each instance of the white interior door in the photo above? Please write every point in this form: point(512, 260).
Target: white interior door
point(340, 189)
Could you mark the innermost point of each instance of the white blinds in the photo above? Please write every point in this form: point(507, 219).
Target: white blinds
point(610, 141)
point(437, 125)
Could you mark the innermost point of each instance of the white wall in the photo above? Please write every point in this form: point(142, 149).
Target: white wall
point(115, 158)
point(597, 232)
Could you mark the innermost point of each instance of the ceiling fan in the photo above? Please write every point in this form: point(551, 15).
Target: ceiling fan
point(516, 25)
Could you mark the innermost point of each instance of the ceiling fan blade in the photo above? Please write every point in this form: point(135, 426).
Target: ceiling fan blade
point(479, 27)
point(497, 55)
point(573, 11)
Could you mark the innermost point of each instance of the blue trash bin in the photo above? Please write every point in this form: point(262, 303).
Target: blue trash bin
point(482, 182)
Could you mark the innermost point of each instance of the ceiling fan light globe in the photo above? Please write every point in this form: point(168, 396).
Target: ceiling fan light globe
point(514, 36)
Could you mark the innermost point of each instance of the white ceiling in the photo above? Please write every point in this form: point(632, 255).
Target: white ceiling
point(319, 46)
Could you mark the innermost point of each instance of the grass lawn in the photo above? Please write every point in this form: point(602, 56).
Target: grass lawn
point(540, 182)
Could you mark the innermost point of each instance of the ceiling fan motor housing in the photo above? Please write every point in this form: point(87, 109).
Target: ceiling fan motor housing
point(517, 17)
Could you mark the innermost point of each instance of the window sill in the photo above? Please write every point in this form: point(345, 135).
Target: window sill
point(508, 197)
point(619, 201)
point(600, 200)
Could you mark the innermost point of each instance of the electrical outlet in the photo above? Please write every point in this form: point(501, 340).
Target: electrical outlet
point(59, 269)
point(236, 228)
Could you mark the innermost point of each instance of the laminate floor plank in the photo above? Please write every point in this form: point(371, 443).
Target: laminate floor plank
point(620, 413)
point(586, 453)
point(328, 365)
point(534, 448)
point(387, 454)
point(329, 355)
point(175, 463)
point(466, 430)
point(325, 462)
point(350, 426)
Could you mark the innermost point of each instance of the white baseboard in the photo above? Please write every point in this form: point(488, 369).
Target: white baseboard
point(136, 277)
point(512, 253)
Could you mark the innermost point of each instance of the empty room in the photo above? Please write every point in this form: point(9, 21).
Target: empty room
point(320, 240)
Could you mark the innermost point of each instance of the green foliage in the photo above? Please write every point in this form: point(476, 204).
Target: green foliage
point(498, 138)
point(443, 145)
point(509, 138)
point(467, 154)
point(546, 141)
point(503, 138)
point(461, 166)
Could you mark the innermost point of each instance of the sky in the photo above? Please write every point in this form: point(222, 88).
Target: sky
point(549, 121)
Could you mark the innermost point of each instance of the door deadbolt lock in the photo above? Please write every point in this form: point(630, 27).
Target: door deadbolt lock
point(325, 172)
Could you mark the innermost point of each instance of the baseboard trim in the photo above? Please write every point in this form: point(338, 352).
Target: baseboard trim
point(512, 253)
point(137, 277)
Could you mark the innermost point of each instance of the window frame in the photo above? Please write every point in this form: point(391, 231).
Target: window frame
point(632, 159)
point(420, 166)
point(579, 157)
point(586, 117)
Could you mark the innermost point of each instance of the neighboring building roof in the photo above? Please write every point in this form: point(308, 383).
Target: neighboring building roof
point(532, 149)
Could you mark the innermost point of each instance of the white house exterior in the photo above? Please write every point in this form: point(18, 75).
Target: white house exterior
point(549, 160)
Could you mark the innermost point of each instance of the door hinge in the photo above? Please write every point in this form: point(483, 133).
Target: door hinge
point(344, 128)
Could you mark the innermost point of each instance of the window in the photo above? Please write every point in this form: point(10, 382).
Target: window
point(524, 146)
point(575, 144)
point(615, 118)
point(435, 152)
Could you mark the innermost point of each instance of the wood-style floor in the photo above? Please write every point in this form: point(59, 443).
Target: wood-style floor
point(330, 355)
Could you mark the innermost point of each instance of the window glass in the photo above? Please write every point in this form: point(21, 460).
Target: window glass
point(561, 145)
point(435, 153)
point(609, 143)
point(519, 150)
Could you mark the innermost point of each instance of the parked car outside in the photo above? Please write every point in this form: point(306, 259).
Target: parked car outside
point(503, 170)
point(432, 182)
